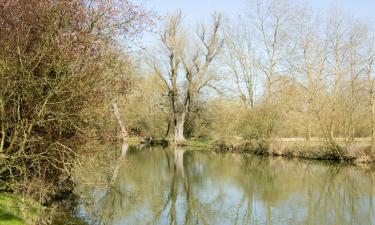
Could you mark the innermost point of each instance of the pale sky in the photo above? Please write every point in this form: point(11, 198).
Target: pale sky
point(196, 10)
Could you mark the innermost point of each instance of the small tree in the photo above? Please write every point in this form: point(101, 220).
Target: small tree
point(55, 64)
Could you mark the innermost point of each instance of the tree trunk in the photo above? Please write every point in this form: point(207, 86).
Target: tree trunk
point(179, 129)
point(332, 131)
point(124, 132)
point(168, 128)
point(179, 122)
point(2, 122)
point(308, 131)
point(373, 123)
point(125, 145)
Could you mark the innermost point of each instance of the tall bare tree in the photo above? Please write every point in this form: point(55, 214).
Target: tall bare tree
point(309, 65)
point(369, 70)
point(273, 21)
point(242, 60)
point(184, 67)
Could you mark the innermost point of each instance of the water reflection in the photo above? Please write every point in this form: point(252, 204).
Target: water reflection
point(175, 186)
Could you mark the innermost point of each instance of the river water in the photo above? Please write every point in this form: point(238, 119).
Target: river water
point(187, 186)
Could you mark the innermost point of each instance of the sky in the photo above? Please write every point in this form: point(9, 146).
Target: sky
point(198, 10)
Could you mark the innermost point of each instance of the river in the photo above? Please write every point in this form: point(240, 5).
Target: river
point(154, 185)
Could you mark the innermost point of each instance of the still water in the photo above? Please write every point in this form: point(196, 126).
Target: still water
point(179, 186)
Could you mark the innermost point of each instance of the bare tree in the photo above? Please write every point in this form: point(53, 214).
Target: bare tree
point(273, 21)
point(358, 37)
point(337, 55)
point(184, 67)
point(241, 60)
point(369, 70)
point(308, 68)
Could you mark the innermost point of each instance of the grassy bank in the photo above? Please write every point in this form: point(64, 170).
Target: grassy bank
point(18, 210)
point(195, 144)
point(15, 210)
point(357, 151)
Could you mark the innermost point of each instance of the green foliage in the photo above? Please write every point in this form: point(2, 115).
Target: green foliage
point(15, 210)
point(193, 144)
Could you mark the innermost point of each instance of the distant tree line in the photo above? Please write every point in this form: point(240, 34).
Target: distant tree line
point(286, 71)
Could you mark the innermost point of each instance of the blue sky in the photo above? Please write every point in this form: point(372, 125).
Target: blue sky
point(196, 10)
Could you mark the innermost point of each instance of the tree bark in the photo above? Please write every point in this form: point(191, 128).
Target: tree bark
point(373, 122)
point(308, 132)
point(2, 122)
point(332, 131)
point(168, 128)
point(179, 121)
point(124, 136)
point(179, 128)
point(116, 112)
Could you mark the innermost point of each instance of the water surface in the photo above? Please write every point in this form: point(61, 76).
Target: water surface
point(177, 186)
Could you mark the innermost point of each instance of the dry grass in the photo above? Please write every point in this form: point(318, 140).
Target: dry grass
point(357, 151)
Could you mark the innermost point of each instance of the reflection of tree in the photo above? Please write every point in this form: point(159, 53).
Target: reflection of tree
point(178, 173)
point(113, 196)
point(330, 193)
point(192, 187)
point(124, 150)
point(340, 197)
point(277, 187)
point(178, 167)
point(193, 212)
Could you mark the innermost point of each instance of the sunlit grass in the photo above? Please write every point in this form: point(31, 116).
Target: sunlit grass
point(194, 144)
point(15, 210)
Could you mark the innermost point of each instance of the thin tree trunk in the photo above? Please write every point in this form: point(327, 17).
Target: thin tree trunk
point(373, 122)
point(2, 122)
point(352, 133)
point(332, 131)
point(116, 112)
point(124, 136)
point(168, 128)
point(308, 132)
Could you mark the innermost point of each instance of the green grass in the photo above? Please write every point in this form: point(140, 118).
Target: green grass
point(134, 141)
point(15, 210)
point(198, 144)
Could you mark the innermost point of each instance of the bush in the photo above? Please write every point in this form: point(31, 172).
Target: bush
point(56, 62)
point(258, 124)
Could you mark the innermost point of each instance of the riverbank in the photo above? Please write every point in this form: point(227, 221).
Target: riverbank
point(19, 210)
point(233, 183)
point(358, 151)
point(16, 210)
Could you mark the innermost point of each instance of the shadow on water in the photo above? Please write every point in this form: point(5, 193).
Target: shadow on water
point(177, 186)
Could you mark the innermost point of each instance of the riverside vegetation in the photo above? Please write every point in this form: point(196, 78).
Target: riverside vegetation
point(278, 80)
